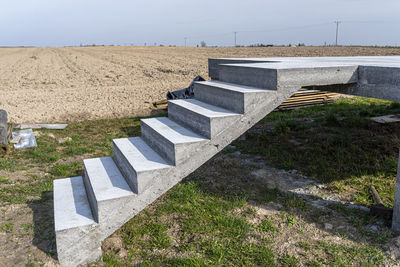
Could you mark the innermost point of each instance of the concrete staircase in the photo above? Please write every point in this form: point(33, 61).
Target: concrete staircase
point(88, 209)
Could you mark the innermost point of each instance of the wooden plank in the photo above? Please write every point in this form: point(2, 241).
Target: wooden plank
point(303, 97)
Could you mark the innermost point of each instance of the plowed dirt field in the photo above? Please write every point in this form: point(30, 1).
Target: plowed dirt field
point(81, 83)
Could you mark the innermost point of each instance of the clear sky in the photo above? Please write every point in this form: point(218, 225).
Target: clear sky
point(168, 22)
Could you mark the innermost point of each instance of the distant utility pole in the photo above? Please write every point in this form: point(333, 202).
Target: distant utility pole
point(185, 41)
point(337, 31)
point(235, 37)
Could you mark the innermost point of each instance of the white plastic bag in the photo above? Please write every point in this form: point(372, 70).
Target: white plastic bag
point(27, 139)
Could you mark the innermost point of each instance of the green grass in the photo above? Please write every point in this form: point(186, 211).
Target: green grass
point(208, 227)
point(7, 164)
point(340, 255)
point(8, 227)
point(289, 261)
point(335, 144)
point(202, 227)
point(66, 170)
point(3, 180)
point(24, 192)
point(267, 225)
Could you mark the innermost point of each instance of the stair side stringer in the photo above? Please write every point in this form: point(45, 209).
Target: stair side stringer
point(170, 177)
point(78, 245)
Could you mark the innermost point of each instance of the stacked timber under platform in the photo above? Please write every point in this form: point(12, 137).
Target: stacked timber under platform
point(301, 98)
point(113, 189)
point(305, 98)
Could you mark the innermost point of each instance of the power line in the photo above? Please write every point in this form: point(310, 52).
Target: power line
point(185, 41)
point(291, 28)
point(261, 31)
point(287, 29)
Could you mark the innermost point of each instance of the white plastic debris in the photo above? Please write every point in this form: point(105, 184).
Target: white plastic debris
point(387, 118)
point(16, 139)
point(26, 139)
point(53, 126)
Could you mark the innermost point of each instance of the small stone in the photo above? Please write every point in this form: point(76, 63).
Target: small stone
point(63, 140)
point(321, 186)
point(123, 253)
point(112, 244)
point(371, 228)
point(328, 226)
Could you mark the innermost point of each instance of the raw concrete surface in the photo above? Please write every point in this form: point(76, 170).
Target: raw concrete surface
point(377, 77)
point(170, 139)
point(76, 235)
point(205, 119)
point(238, 98)
point(3, 127)
point(396, 208)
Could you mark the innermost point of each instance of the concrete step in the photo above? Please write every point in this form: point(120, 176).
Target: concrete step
point(171, 140)
point(105, 186)
point(71, 205)
point(138, 162)
point(73, 220)
point(237, 98)
point(202, 118)
point(283, 75)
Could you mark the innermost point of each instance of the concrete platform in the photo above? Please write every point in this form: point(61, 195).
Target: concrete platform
point(365, 76)
point(377, 61)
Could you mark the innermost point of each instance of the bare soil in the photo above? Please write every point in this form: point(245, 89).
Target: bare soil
point(83, 83)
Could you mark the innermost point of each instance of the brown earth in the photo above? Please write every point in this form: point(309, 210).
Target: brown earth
point(80, 83)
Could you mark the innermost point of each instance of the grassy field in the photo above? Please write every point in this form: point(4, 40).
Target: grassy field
point(221, 214)
point(336, 144)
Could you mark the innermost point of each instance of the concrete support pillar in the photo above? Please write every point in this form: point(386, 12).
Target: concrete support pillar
point(396, 207)
point(3, 128)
